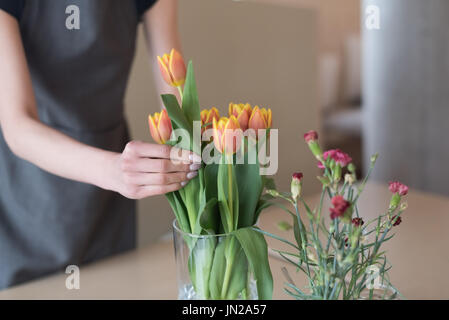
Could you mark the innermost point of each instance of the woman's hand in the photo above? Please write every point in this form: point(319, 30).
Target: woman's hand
point(145, 169)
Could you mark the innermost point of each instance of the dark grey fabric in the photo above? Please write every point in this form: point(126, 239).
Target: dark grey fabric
point(79, 78)
point(406, 93)
point(15, 7)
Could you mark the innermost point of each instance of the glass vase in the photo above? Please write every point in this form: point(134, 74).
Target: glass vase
point(212, 267)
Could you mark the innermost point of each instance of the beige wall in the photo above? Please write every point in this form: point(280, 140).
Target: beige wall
point(336, 19)
point(238, 56)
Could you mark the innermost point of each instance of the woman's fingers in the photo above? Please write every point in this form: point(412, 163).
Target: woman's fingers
point(148, 169)
point(150, 150)
point(148, 191)
point(145, 179)
point(157, 166)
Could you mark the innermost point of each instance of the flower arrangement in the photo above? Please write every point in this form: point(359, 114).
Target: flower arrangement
point(216, 212)
point(340, 254)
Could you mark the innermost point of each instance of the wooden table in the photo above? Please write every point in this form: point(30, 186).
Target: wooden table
point(419, 254)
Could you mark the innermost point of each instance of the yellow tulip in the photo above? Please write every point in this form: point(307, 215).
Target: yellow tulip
point(173, 68)
point(260, 119)
point(207, 116)
point(227, 134)
point(160, 126)
point(241, 112)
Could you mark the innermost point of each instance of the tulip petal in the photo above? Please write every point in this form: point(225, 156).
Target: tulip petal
point(163, 67)
point(164, 126)
point(177, 68)
point(257, 120)
point(153, 130)
point(217, 135)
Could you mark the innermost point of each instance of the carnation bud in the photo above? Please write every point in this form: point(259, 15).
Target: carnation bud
point(296, 185)
point(311, 138)
point(374, 158)
point(351, 168)
point(324, 181)
point(349, 179)
point(273, 193)
point(396, 220)
point(284, 226)
point(403, 206)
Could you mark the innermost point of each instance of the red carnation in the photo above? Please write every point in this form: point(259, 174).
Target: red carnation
point(358, 222)
point(297, 176)
point(397, 222)
point(340, 207)
point(397, 187)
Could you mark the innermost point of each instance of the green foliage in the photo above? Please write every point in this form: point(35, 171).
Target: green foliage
point(223, 198)
point(337, 258)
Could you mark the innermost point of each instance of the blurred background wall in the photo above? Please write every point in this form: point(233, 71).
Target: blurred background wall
point(265, 54)
point(406, 93)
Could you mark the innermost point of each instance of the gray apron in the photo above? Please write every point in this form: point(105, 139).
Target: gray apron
point(79, 78)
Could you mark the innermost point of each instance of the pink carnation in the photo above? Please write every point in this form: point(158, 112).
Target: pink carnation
point(311, 136)
point(343, 159)
point(397, 187)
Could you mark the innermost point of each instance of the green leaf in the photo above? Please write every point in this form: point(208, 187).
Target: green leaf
point(200, 265)
point(208, 217)
point(228, 196)
point(179, 121)
point(239, 272)
point(256, 250)
point(190, 103)
point(250, 186)
point(297, 231)
point(268, 183)
point(217, 271)
point(212, 215)
point(179, 210)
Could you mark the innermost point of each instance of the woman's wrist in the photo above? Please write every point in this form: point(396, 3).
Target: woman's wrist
point(107, 173)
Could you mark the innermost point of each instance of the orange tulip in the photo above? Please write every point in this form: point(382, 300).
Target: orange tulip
point(227, 134)
point(242, 112)
point(173, 68)
point(160, 127)
point(260, 119)
point(207, 116)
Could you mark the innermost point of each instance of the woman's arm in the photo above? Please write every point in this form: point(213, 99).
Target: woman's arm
point(140, 171)
point(161, 31)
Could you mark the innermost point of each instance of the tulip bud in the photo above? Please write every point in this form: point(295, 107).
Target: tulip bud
point(173, 68)
point(160, 127)
point(207, 117)
point(242, 112)
point(296, 185)
point(260, 119)
point(227, 135)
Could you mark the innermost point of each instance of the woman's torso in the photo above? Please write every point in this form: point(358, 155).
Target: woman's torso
point(79, 79)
